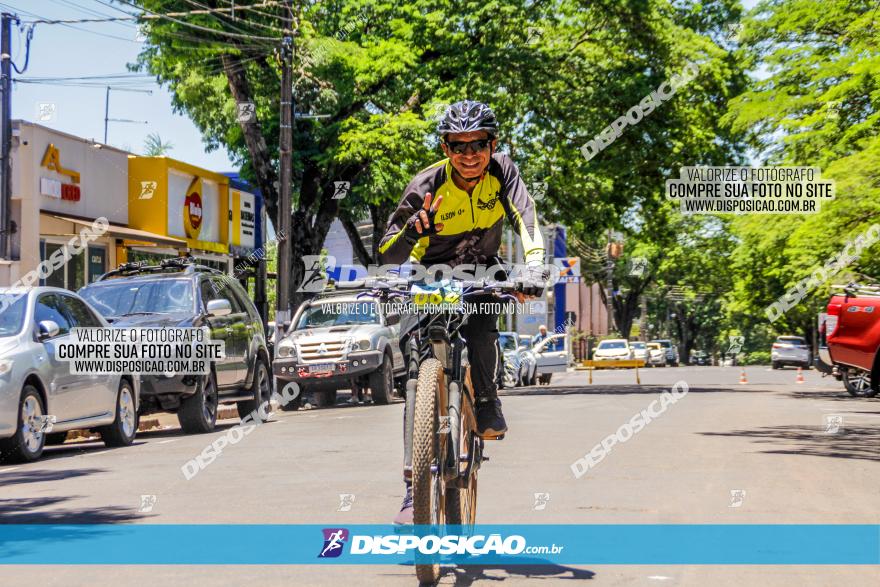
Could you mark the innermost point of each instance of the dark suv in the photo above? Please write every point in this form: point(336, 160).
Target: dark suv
point(180, 294)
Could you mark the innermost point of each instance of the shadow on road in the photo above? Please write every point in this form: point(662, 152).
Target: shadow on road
point(41, 475)
point(834, 395)
point(850, 442)
point(618, 389)
point(26, 510)
point(539, 569)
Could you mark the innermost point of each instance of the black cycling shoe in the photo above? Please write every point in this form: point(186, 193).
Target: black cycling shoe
point(490, 420)
point(405, 515)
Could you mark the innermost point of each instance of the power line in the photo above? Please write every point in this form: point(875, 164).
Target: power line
point(169, 16)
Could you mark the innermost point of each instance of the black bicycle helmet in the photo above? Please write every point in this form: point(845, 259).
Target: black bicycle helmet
point(468, 116)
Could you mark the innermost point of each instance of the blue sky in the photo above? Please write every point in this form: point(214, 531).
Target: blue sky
point(59, 51)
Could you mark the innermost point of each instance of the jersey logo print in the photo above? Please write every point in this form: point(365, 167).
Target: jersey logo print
point(487, 205)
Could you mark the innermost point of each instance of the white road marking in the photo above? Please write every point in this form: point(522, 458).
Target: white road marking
point(167, 441)
point(9, 469)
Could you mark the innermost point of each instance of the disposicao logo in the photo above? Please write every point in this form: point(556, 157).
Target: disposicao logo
point(334, 541)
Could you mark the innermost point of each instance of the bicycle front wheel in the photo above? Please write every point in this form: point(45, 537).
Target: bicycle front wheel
point(427, 457)
point(461, 503)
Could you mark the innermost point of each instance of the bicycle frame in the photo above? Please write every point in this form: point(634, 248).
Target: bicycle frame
point(437, 336)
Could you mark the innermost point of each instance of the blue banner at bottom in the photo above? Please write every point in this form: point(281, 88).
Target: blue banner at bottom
point(636, 544)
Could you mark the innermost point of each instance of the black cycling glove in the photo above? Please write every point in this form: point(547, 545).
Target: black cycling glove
point(411, 234)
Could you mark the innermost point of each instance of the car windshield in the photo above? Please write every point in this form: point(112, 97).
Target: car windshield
point(791, 340)
point(637, 345)
point(664, 343)
point(338, 314)
point(160, 296)
point(12, 313)
point(507, 342)
point(612, 344)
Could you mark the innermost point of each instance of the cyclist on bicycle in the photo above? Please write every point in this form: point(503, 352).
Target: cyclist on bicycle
point(471, 191)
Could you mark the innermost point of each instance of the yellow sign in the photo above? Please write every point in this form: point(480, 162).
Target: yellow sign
point(192, 209)
point(52, 160)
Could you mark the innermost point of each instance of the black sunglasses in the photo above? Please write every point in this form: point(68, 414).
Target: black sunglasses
point(462, 147)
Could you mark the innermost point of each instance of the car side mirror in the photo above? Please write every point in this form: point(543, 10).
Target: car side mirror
point(392, 319)
point(219, 308)
point(48, 329)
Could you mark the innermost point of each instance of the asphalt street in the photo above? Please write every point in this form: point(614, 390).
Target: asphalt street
point(770, 451)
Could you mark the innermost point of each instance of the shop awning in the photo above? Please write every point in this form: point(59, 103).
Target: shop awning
point(125, 232)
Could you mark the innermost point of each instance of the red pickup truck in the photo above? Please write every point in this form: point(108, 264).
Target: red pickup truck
point(852, 332)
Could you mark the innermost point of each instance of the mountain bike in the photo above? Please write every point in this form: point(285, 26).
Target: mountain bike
point(441, 441)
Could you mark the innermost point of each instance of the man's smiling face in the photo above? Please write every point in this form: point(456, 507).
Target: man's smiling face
point(472, 162)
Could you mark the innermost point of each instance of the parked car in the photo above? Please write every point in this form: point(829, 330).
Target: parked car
point(35, 385)
point(656, 355)
point(671, 351)
point(701, 358)
point(790, 350)
point(341, 340)
point(853, 335)
point(613, 349)
point(178, 293)
point(551, 356)
point(520, 366)
point(639, 350)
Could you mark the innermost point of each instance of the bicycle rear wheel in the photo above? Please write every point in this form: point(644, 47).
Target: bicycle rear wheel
point(427, 451)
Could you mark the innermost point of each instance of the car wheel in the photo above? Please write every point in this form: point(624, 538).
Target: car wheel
point(294, 404)
point(858, 383)
point(28, 442)
point(262, 389)
point(198, 412)
point(382, 383)
point(124, 428)
point(774, 365)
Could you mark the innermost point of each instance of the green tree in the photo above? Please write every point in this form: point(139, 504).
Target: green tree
point(154, 146)
point(816, 104)
point(378, 72)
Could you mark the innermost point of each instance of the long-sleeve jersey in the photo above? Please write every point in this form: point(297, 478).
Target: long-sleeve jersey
point(471, 223)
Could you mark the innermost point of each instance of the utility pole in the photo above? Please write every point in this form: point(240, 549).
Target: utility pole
point(609, 285)
point(106, 113)
point(6, 134)
point(282, 308)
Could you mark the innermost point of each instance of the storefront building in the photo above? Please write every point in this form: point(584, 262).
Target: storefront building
point(183, 202)
point(61, 184)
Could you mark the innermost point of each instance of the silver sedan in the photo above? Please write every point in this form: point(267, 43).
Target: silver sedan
point(41, 399)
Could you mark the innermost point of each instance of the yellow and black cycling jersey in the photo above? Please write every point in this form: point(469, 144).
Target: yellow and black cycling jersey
point(471, 223)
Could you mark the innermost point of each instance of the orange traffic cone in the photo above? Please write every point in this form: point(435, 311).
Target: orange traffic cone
point(742, 376)
point(800, 376)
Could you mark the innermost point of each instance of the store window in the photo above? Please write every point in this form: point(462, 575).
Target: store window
point(71, 275)
point(97, 262)
point(148, 257)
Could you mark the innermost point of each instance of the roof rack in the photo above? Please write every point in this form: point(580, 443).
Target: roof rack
point(854, 288)
point(185, 264)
